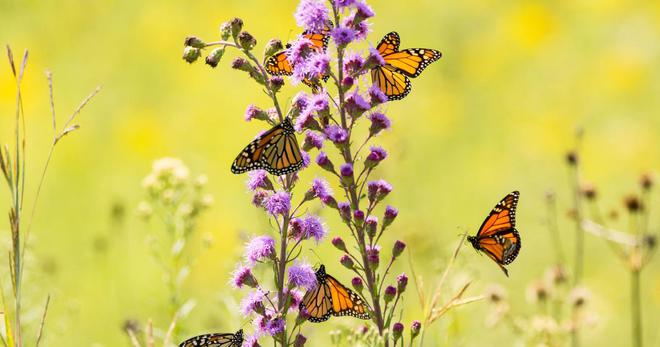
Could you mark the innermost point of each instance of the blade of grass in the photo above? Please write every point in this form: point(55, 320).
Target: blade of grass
point(43, 322)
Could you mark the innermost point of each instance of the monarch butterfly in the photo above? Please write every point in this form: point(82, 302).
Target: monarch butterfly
point(392, 78)
point(215, 340)
point(275, 151)
point(331, 298)
point(278, 64)
point(497, 236)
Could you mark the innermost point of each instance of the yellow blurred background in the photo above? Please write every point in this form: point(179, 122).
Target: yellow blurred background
point(498, 112)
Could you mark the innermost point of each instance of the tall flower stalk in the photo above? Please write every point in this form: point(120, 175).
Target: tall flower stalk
point(329, 118)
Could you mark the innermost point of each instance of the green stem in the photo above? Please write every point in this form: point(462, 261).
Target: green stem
point(636, 308)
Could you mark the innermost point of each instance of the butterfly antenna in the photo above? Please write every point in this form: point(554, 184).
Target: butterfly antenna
point(320, 260)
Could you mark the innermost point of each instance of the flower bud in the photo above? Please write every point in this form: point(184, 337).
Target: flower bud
point(358, 215)
point(324, 162)
point(647, 181)
point(347, 261)
point(397, 330)
point(633, 204)
point(329, 201)
point(214, 57)
point(390, 293)
point(401, 283)
point(371, 226)
point(246, 40)
point(390, 215)
point(373, 255)
point(589, 191)
point(357, 284)
point(376, 155)
point(346, 172)
point(572, 158)
point(194, 41)
point(299, 341)
point(347, 82)
point(225, 31)
point(415, 328)
point(240, 64)
point(344, 211)
point(236, 27)
point(191, 54)
point(398, 248)
point(273, 46)
point(338, 242)
point(276, 83)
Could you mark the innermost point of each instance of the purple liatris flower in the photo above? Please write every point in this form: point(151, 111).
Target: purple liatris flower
point(299, 51)
point(374, 59)
point(363, 11)
point(305, 120)
point(323, 161)
point(259, 179)
point(275, 326)
point(260, 248)
point(376, 96)
point(318, 65)
point(376, 155)
point(242, 276)
point(346, 170)
point(398, 248)
point(313, 140)
point(302, 275)
point(415, 328)
point(259, 198)
point(401, 282)
point(319, 102)
point(356, 105)
point(379, 122)
point(253, 302)
point(313, 228)
point(390, 293)
point(353, 65)
point(278, 203)
point(312, 15)
point(251, 341)
point(389, 216)
point(299, 341)
point(306, 160)
point(344, 211)
point(300, 101)
point(342, 35)
point(378, 190)
point(339, 243)
point(321, 188)
point(344, 3)
point(371, 226)
point(254, 112)
point(336, 134)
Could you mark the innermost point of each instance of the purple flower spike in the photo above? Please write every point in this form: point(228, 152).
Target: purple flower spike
point(299, 51)
point(242, 276)
point(301, 100)
point(376, 96)
point(302, 275)
point(336, 134)
point(251, 341)
point(260, 248)
point(258, 179)
point(344, 3)
point(356, 105)
point(319, 102)
point(313, 228)
point(259, 198)
point(357, 284)
point(254, 112)
point(390, 292)
point(312, 15)
point(376, 155)
point(318, 65)
point(379, 122)
point(323, 161)
point(363, 11)
point(253, 302)
point(278, 203)
point(342, 35)
point(313, 140)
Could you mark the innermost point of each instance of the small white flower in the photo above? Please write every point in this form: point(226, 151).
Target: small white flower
point(144, 209)
point(207, 200)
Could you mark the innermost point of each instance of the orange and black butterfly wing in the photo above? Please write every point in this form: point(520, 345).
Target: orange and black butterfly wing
point(345, 302)
point(392, 83)
point(278, 65)
point(501, 217)
point(276, 151)
point(411, 62)
point(215, 340)
point(318, 303)
point(389, 44)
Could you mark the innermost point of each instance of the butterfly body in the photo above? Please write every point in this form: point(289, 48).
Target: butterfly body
point(275, 151)
point(498, 236)
point(400, 65)
point(331, 298)
point(215, 340)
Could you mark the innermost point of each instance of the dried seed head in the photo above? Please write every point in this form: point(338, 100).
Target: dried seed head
point(650, 241)
point(557, 275)
point(246, 40)
point(538, 292)
point(572, 158)
point(579, 297)
point(495, 293)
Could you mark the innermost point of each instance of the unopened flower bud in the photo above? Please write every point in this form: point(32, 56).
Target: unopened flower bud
point(357, 284)
point(390, 293)
point(214, 57)
point(398, 248)
point(273, 46)
point(246, 40)
point(225, 31)
point(276, 83)
point(191, 54)
point(329, 201)
point(401, 283)
point(236, 27)
point(397, 330)
point(338, 242)
point(633, 204)
point(344, 211)
point(324, 162)
point(347, 261)
point(240, 64)
point(389, 216)
point(371, 226)
point(415, 328)
point(347, 82)
point(299, 341)
point(194, 41)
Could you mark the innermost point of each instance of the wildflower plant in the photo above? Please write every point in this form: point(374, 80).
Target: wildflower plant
point(177, 200)
point(13, 161)
point(339, 121)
